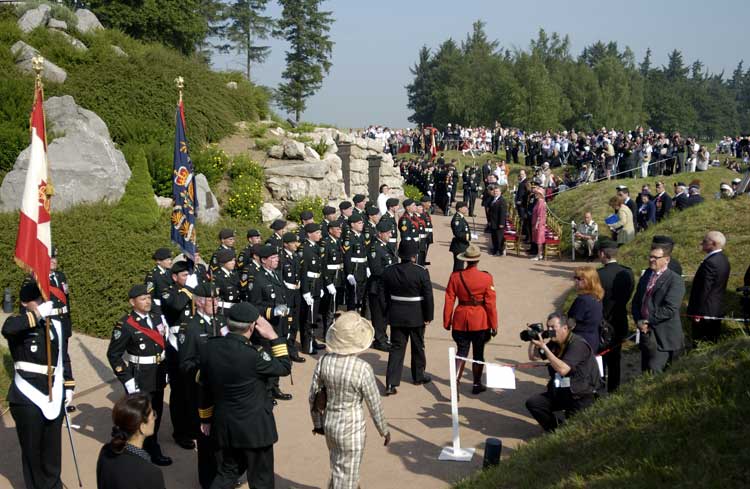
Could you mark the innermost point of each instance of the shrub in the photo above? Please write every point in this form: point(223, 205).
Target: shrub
point(138, 209)
point(212, 162)
point(246, 195)
point(321, 147)
point(264, 144)
point(256, 130)
point(314, 204)
point(412, 192)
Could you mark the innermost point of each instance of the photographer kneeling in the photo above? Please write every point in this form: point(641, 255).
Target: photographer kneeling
point(574, 375)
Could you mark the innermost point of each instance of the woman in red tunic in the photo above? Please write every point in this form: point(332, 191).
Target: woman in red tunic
point(539, 223)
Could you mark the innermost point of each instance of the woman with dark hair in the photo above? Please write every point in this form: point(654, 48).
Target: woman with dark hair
point(587, 309)
point(123, 463)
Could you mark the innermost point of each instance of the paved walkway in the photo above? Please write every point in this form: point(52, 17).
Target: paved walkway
point(419, 416)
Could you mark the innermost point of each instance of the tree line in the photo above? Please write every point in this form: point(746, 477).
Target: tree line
point(198, 27)
point(476, 83)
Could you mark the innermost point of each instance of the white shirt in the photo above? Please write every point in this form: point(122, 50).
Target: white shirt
point(382, 199)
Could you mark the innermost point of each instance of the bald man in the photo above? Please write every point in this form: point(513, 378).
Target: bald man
point(707, 291)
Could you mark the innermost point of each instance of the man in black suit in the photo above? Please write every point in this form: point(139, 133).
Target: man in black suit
point(668, 242)
point(617, 282)
point(662, 201)
point(656, 311)
point(498, 213)
point(522, 195)
point(707, 291)
point(235, 408)
point(680, 199)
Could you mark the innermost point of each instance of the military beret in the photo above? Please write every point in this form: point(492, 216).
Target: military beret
point(225, 255)
point(312, 227)
point(345, 205)
point(383, 226)
point(253, 233)
point(30, 292)
point(267, 251)
point(334, 224)
point(205, 290)
point(355, 218)
point(289, 238)
point(408, 248)
point(179, 266)
point(372, 211)
point(226, 233)
point(661, 239)
point(305, 215)
point(137, 290)
point(162, 254)
point(425, 198)
point(328, 210)
point(359, 198)
point(408, 202)
point(244, 312)
point(278, 224)
point(606, 244)
point(255, 249)
point(391, 202)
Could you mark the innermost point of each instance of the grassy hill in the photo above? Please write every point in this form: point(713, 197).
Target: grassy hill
point(685, 428)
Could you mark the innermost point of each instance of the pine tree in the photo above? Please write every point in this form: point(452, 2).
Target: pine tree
point(645, 66)
point(676, 69)
point(420, 91)
point(246, 24)
point(306, 29)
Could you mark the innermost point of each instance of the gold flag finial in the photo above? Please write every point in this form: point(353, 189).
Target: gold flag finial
point(37, 62)
point(180, 82)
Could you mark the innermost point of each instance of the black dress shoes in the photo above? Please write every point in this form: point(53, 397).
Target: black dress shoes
point(478, 388)
point(185, 443)
point(318, 346)
point(390, 390)
point(161, 460)
point(281, 396)
point(381, 346)
point(296, 358)
point(426, 379)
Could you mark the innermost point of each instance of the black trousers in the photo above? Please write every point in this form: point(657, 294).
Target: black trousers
point(379, 317)
point(355, 296)
point(178, 398)
point(474, 339)
point(652, 359)
point(543, 406)
point(706, 330)
point(612, 368)
point(208, 455)
point(471, 200)
point(40, 441)
point(498, 240)
point(308, 318)
point(151, 444)
point(458, 265)
point(293, 300)
point(258, 462)
point(399, 337)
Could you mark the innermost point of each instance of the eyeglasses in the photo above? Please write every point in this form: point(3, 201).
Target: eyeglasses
point(652, 257)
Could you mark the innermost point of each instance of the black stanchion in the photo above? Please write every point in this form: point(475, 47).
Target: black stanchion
point(492, 449)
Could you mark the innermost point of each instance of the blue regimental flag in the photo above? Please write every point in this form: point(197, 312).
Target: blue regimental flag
point(183, 190)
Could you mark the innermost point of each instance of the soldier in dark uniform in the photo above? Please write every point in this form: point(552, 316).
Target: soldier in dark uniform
point(346, 212)
point(371, 221)
point(291, 264)
point(425, 214)
point(226, 238)
point(471, 187)
point(274, 240)
point(245, 260)
point(235, 407)
point(422, 228)
point(60, 298)
point(200, 269)
point(159, 279)
point(178, 308)
point(407, 225)
point(329, 215)
point(360, 205)
point(461, 235)
point(355, 265)
point(269, 296)
point(193, 336)
point(390, 218)
point(311, 287)
point(136, 354)
point(37, 415)
point(410, 306)
point(429, 183)
point(333, 274)
point(307, 218)
point(379, 258)
point(226, 280)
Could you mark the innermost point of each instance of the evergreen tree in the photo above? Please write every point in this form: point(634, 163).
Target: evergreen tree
point(645, 66)
point(306, 29)
point(675, 69)
point(420, 91)
point(246, 24)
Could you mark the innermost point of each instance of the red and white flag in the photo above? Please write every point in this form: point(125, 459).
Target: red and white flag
point(34, 240)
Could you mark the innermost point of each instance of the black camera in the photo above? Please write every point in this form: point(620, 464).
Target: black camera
point(536, 331)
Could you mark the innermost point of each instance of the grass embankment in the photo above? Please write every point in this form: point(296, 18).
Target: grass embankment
point(685, 428)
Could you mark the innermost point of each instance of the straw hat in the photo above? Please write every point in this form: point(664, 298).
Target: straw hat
point(350, 334)
point(472, 253)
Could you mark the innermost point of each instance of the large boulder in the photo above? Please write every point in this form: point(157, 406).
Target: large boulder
point(294, 150)
point(87, 21)
point(34, 18)
point(118, 51)
point(57, 24)
point(25, 53)
point(311, 154)
point(208, 205)
point(270, 213)
point(295, 168)
point(276, 151)
point(84, 164)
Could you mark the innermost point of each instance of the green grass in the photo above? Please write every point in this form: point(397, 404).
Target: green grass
point(685, 428)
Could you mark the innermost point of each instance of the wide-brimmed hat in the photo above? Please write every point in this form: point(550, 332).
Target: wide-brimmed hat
point(472, 253)
point(350, 334)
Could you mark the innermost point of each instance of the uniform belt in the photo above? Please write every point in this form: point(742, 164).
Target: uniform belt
point(157, 302)
point(392, 240)
point(429, 230)
point(59, 311)
point(226, 305)
point(34, 368)
point(406, 299)
point(422, 236)
point(142, 360)
point(412, 238)
point(338, 266)
point(291, 286)
point(313, 274)
point(470, 303)
point(358, 260)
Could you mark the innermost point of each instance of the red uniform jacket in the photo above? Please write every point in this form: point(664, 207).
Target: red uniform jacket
point(477, 315)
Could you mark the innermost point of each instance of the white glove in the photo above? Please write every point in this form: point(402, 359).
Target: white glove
point(68, 396)
point(206, 429)
point(322, 293)
point(350, 278)
point(308, 298)
point(280, 310)
point(45, 309)
point(331, 289)
point(130, 386)
point(368, 272)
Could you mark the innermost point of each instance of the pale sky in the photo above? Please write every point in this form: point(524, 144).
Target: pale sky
point(376, 42)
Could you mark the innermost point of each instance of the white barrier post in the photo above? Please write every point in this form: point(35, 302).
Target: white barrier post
point(455, 452)
point(572, 239)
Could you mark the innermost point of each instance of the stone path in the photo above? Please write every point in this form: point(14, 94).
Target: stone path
point(419, 416)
